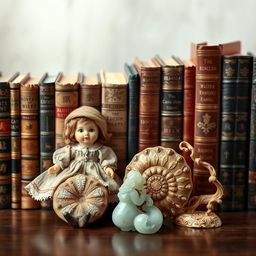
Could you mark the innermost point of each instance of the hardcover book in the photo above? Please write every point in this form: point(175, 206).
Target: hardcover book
point(47, 124)
point(29, 100)
point(171, 113)
point(133, 111)
point(252, 145)
point(207, 114)
point(236, 82)
point(90, 92)
point(149, 103)
point(5, 142)
point(15, 138)
point(189, 106)
point(66, 100)
point(114, 108)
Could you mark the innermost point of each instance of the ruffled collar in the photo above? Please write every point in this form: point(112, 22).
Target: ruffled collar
point(93, 148)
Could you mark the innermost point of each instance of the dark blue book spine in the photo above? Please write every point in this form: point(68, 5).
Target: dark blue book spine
point(47, 125)
point(133, 103)
point(252, 147)
point(5, 149)
point(236, 83)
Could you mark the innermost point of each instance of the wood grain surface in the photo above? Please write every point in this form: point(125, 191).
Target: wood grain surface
point(38, 232)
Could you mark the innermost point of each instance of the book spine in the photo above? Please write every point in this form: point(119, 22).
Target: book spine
point(47, 129)
point(252, 147)
point(228, 108)
point(5, 149)
point(15, 145)
point(29, 96)
point(133, 102)
point(172, 107)
point(189, 109)
point(234, 132)
point(115, 111)
point(90, 95)
point(149, 107)
point(207, 111)
point(66, 100)
point(241, 146)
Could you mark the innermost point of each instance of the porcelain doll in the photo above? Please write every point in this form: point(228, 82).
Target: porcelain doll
point(85, 132)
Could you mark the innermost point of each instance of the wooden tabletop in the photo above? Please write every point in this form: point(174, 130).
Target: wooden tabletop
point(40, 232)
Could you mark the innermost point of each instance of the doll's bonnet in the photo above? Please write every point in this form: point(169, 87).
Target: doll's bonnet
point(90, 113)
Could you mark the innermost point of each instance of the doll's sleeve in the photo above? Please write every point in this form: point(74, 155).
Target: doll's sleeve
point(107, 158)
point(62, 157)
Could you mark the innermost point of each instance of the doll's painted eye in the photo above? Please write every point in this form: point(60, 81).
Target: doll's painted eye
point(91, 130)
point(80, 130)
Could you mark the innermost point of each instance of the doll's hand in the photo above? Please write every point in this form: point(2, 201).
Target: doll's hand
point(54, 169)
point(110, 172)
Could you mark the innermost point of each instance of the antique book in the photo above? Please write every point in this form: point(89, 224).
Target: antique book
point(133, 110)
point(90, 92)
point(15, 138)
point(189, 106)
point(149, 103)
point(66, 100)
point(207, 114)
point(252, 145)
point(5, 142)
point(47, 124)
point(193, 51)
point(29, 110)
point(171, 113)
point(236, 83)
point(114, 108)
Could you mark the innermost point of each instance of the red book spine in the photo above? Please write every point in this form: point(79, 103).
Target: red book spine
point(189, 108)
point(207, 113)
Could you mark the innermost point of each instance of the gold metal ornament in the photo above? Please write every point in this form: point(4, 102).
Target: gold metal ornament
point(169, 184)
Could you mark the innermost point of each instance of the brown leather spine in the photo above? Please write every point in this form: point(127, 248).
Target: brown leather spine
point(90, 93)
point(66, 100)
point(114, 109)
point(207, 113)
point(29, 97)
point(149, 107)
point(189, 109)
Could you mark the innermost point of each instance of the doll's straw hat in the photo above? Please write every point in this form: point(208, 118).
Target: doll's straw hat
point(90, 113)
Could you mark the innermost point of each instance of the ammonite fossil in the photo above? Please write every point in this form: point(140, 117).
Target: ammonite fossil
point(80, 196)
point(168, 178)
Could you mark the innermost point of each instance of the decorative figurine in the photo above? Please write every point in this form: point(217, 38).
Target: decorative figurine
point(169, 184)
point(135, 211)
point(82, 180)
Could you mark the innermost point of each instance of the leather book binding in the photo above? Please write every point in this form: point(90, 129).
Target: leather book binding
point(171, 113)
point(207, 113)
point(149, 103)
point(5, 142)
point(15, 138)
point(236, 83)
point(29, 107)
point(133, 110)
point(66, 100)
point(114, 109)
point(90, 92)
point(47, 125)
point(252, 145)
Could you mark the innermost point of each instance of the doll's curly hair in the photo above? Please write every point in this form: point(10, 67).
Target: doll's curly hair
point(70, 130)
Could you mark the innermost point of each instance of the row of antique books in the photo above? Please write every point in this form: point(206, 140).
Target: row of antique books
point(208, 101)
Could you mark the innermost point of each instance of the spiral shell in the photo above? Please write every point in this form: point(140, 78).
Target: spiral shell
point(168, 178)
point(78, 195)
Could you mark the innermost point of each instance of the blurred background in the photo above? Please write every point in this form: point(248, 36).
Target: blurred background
point(90, 35)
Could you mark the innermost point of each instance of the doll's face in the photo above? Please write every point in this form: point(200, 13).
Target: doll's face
point(87, 133)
